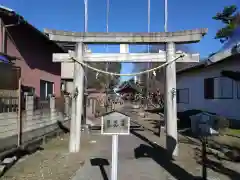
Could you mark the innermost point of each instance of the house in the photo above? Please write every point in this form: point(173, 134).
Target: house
point(212, 85)
point(157, 79)
point(32, 51)
point(67, 69)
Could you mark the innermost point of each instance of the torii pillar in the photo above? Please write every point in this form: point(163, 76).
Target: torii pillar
point(168, 38)
point(170, 103)
point(77, 101)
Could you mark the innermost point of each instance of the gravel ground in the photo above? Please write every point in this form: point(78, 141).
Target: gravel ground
point(52, 163)
point(55, 163)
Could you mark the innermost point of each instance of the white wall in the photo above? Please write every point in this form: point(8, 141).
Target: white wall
point(67, 69)
point(194, 80)
point(69, 86)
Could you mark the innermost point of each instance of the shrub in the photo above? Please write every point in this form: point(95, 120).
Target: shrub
point(221, 124)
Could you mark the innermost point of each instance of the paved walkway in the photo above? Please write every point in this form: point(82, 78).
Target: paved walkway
point(152, 161)
point(128, 166)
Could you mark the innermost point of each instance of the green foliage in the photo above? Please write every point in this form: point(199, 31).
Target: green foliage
point(228, 16)
point(221, 124)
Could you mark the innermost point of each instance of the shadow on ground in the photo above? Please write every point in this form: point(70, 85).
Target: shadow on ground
point(216, 156)
point(231, 152)
point(188, 138)
point(18, 154)
point(27, 148)
point(63, 127)
point(220, 168)
point(101, 162)
point(162, 157)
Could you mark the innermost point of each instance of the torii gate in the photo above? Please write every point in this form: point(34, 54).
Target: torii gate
point(124, 39)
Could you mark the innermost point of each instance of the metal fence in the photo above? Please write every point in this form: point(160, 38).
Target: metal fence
point(36, 119)
point(8, 104)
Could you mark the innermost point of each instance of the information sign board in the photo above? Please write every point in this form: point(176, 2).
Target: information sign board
point(115, 123)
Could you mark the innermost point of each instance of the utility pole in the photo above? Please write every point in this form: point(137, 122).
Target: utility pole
point(86, 30)
point(165, 14)
point(107, 63)
point(85, 68)
point(148, 49)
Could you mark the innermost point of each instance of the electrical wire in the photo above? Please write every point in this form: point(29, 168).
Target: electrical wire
point(131, 74)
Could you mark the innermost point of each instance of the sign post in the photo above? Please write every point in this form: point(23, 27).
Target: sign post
point(114, 157)
point(205, 130)
point(115, 123)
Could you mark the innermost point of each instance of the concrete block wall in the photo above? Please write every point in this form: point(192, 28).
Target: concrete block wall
point(34, 123)
point(8, 124)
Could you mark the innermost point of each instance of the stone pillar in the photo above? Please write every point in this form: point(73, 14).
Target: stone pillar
point(84, 111)
point(72, 125)
point(67, 105)
point(52, 108)
point(77, 103)
point(93, 104)
point(29, 107)
point(113, 106)
point(170, 109)
point(90, 107)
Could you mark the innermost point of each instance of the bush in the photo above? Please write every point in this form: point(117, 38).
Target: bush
point(221, 124)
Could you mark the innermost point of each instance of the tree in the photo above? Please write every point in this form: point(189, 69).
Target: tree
point(221, 124)
point(231, 20)
point(101, 81)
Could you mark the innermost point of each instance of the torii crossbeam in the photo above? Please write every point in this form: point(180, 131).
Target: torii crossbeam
point(168, 38)
point(180, 37)
point(126, 57)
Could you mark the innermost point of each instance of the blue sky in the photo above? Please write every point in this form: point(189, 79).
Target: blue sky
point(125, 16)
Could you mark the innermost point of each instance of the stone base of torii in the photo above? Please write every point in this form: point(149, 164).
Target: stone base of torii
point(124, 39)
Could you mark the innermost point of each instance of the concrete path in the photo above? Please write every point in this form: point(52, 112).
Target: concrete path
point(128, 167)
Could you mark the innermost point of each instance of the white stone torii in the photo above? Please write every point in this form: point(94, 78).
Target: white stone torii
point(124, 57)
point(168, 38)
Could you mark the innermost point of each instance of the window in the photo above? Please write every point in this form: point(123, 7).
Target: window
point(28, 89)
point(209, 88)
point(218, 88)
point(238, 89)
point(183, 96)
point(123, 123)
point(46, 89)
